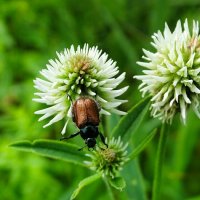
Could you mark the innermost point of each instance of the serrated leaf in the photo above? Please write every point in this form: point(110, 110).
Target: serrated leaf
point(118, 183)
point(131, 120)
point(53, 149)
point(84, 183)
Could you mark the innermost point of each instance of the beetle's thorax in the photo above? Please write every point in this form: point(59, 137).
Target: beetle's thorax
point(89, 132)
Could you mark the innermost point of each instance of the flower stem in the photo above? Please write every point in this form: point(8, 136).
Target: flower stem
point(109, 189)
point(159, 164)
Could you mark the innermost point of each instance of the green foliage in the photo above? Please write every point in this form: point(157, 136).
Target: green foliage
point(118, 183)
point(57, 150)
point(131, 121)
point(141, 146)
point(83, 183)
point(30, 34)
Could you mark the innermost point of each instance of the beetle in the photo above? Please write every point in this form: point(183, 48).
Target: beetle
point(85, 114)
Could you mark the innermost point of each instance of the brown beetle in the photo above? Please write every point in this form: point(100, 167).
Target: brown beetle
point(85, 114)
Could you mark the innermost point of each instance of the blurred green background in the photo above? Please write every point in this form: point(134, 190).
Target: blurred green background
point(30, 34)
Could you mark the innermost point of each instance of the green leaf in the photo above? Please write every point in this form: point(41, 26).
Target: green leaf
point(126, 128)
point(128, 124)
point(194, 198)
point(135, 187)
point(118, 183)
point(142, 144)
point(83, 183)
point(53, 149)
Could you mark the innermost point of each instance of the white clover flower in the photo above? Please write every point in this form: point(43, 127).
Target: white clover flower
point(78, 72)
point(109, 161)
point(172, 75)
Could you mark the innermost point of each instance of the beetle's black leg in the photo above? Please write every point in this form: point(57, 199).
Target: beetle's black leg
point(82, 148)
point(103, 139)
point(70, 136)
point(100, 147)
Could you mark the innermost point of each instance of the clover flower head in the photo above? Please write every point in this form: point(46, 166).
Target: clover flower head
point(109, 161)
point(172, 74)
point(78, 72)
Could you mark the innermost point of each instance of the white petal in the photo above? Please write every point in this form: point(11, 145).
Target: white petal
point(58, 117)
point(116, 93)
point(187, 100)
point(64, 128)
point(183, 109)
point(118, 112)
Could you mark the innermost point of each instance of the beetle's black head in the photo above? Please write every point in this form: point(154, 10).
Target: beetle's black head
point(91, 142)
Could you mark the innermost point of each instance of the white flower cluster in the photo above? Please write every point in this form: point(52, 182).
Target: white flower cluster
point(78, 72)
point(172, 75)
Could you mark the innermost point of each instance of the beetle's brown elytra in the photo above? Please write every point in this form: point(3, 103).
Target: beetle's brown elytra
point(85, 111)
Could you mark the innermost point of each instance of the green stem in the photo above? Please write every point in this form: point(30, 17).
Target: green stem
point(110, 192)
point(159, 164)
